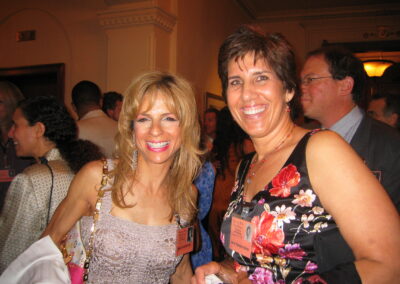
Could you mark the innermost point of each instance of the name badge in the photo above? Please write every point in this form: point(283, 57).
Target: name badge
point(184, 240)
point(241, 236)
point(6, 175)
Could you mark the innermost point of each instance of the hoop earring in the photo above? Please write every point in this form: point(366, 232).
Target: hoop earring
point(287, 108)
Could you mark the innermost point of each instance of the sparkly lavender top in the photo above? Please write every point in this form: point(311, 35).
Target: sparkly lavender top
point(128, 252)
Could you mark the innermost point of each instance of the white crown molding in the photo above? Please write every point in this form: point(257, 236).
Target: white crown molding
point(126, 17)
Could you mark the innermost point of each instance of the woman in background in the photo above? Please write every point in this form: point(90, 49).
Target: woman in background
point(149, 196)
point(42, 129)
point(10, 164)
point(230, 145)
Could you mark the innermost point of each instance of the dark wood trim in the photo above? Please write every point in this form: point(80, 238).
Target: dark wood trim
point(58, 69)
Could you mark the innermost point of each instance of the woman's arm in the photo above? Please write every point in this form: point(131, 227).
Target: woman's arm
point(183, 272)
point(360, 206)
point(80, 201)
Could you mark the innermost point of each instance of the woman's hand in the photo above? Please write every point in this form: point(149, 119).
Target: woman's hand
point(223, 270)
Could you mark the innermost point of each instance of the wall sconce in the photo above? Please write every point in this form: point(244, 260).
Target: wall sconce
point(375, 68)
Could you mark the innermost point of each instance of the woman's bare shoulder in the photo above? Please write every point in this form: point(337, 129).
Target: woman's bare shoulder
point(326, 140)
point(88, 179)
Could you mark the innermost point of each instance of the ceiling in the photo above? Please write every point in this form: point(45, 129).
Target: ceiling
point(267, 10)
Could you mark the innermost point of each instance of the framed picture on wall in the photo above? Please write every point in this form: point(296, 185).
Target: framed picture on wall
point(214, 101)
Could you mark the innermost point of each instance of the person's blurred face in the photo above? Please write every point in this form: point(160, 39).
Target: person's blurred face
point(376, 110)
point(256, 97)
point(318, 88)
point(114, 113)
point(3, 108)
point(210, 123)
point(25, 136)
point(157, 131)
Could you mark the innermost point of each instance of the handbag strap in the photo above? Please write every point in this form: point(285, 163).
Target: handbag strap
point(100, 194)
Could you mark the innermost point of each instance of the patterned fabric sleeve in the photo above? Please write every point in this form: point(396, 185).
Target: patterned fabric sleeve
point(205, 185)
point(20, 222)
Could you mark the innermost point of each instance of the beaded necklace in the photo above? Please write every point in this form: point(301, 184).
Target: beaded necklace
point(253, 169)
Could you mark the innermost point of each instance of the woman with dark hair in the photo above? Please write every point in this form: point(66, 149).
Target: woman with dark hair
point(10, 164)
point(42, 129)
point(298, 187)
point(230, 145)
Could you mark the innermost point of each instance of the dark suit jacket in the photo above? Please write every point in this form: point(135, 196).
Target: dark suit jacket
point(379, 146)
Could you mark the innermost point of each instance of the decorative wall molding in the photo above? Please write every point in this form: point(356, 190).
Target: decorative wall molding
point(127, 17)
point(364, 29)
point(382, 32)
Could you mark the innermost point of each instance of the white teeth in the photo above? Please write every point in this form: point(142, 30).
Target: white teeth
point(253, 110)
point(157, 145)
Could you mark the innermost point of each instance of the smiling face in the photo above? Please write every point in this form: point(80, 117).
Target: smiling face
point(157, 130)
point(25, 136)
point(256, 97)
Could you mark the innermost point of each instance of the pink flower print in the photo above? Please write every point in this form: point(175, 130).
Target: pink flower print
point(261, 276)
point(284, 181)
point(292, 252)
point(310, 267)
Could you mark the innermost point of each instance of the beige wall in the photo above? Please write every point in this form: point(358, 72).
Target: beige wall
point(69, 31)
point(66, 32)
point(202, 26)
point(110, 44)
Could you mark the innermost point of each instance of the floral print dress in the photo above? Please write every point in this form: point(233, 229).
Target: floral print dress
point(286, 215)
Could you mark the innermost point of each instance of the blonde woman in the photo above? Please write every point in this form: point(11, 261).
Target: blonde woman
point(150, 194)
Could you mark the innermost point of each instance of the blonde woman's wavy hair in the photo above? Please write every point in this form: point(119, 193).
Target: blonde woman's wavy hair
point(179, 97)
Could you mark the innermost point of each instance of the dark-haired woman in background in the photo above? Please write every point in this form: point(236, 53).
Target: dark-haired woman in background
point(44, 130)
point(10, 164)
point(298, 187)
point(230, 145)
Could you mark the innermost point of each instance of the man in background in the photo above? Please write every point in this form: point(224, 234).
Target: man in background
point(386, 108)
point(332, 84)
point(112, 103)
point(93, 124)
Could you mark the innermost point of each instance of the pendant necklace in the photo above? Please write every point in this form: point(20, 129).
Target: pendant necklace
point(253, 169)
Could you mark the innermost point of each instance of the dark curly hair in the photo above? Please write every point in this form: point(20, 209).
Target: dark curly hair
point(273, 48)
point(60, 128)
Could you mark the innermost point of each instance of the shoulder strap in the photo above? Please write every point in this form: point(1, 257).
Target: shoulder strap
point(242, 171)
point(100, 194)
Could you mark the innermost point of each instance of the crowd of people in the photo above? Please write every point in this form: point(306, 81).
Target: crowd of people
point(247, 196)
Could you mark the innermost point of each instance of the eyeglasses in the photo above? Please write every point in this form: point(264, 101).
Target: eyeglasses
point(308, 80)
